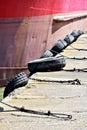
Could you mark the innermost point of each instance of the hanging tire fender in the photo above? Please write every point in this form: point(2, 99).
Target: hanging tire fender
point(19, 80)
point(69, 39)
point(46, 54)
point(58, 47)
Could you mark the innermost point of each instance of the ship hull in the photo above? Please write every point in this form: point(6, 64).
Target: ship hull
point(28, 28)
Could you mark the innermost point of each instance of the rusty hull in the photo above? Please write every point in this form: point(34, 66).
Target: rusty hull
point(25, 39)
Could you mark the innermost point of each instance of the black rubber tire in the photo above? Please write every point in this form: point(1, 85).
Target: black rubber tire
point(80, 32)
point(77, 33)
point(58, 47)
point(69, 39)
point(46, 64)
point(19, 80)
point(46, 54)
point(8, 89)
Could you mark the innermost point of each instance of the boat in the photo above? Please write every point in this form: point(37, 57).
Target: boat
point(30, 27)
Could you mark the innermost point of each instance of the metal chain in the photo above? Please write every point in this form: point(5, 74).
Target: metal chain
point(49, 113)
point(74, 82)
point(74, 58)
point(78, 49)
point(78, 70)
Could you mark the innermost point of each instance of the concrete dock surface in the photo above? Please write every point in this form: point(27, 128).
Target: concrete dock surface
point(62, 92)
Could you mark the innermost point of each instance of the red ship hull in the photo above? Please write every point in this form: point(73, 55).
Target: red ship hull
point(28, 28)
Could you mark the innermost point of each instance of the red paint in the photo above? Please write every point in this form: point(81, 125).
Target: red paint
point(28, 8)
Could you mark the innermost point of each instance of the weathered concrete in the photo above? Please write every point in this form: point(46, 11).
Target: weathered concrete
point(58, 97)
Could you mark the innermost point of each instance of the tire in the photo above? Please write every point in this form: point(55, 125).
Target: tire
point(77, 33)
point(58, 47)
point(80, 32)
point(46, 54)
point(19, 80)
point(8, 89)
point(69, 39)
point(47, 64)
